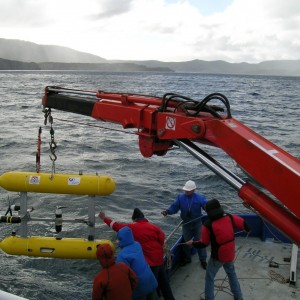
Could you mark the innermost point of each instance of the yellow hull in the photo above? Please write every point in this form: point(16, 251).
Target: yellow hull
point(73, 248)
point(59, 184)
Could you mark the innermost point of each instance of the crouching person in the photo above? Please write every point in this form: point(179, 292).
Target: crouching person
point(116, 281)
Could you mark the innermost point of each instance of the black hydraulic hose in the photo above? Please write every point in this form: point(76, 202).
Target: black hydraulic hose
point(197, 106)
point(202, 108)
point(218, 96)
point(174, 97)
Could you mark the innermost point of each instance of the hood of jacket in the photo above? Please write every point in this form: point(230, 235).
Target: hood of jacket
point(125, 237)
point(106, 255)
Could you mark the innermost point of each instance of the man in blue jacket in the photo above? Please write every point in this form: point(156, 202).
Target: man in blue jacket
point(190, 205)
point(132, 254)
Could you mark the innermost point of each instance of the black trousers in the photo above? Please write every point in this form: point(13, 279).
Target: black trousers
point(163, 282)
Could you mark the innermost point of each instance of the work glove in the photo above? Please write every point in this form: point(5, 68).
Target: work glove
point(189, 243)
point(164, 213)
point(101, 215)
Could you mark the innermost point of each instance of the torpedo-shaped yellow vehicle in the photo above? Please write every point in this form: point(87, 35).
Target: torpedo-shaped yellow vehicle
point(74, 248)
point(56, 246)
point(58, 183)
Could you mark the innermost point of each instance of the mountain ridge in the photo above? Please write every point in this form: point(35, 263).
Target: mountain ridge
point(23, 55)
point(31, 52)
point(101, 67)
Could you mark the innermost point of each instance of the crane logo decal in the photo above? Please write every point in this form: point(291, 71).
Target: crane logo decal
point(171, 123)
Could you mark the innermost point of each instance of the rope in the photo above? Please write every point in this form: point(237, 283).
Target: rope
point(264, 221)
point(167, 252)
point(173, 231)
point(277, 277)
point(167, 249)
point(191, 221)
point(96, 126)
point(221, 288)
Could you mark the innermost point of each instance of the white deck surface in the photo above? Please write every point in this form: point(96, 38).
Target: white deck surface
point(258, 280)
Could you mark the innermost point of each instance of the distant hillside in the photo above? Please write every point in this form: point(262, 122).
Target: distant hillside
point(31, 52)
point(6, 64)
point(102, 67)
point(275, 67)
point(16, 54)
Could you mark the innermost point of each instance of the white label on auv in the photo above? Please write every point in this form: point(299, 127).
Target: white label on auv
point(34, 179)
point(73, 181)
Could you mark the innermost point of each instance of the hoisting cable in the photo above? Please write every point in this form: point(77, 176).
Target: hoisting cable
point(52, 142)
point(96, 126)
point(53, 146)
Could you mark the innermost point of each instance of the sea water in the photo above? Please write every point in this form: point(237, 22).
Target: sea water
point(268, 105)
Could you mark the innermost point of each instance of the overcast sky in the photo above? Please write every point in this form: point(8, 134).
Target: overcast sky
point(166, 30)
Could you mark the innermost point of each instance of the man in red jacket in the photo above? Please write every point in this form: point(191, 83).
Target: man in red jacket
point(115, 281)
point(151, 238)
point(218, 231)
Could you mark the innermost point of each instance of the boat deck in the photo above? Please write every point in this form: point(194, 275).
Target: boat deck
point(261, 267)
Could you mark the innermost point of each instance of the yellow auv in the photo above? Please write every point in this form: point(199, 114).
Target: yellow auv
point(58, 183)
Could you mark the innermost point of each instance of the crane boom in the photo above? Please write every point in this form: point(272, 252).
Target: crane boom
point(160, 122)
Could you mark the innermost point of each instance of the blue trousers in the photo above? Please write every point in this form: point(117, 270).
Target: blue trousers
point(189, 231)
point(211, 271)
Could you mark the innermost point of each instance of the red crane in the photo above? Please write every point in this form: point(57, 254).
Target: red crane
point(177, 120)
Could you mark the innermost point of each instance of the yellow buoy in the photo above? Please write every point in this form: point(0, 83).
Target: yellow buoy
point(58, 183)
point(73, 248)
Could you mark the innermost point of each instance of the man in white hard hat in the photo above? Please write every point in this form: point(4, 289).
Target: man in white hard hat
point(190, 205)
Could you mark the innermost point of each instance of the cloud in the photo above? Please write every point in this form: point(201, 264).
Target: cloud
point(109, 8)
point(168, 30)
point(17, 13)
point(251, 31)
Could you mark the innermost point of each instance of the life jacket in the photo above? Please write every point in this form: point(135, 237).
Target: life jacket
point(222, 238)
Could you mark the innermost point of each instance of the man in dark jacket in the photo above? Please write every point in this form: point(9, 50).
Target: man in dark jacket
point(115, 281)
point(218, 231)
